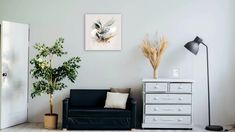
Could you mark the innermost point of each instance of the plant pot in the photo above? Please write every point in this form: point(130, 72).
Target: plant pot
point(50, 121)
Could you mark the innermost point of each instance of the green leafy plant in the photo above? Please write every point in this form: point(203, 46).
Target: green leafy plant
point(49, 78)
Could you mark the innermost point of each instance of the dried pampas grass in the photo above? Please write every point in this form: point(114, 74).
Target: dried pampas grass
point(153, 50)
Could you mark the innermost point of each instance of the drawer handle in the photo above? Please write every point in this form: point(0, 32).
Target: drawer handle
point(181, 98)
point(180, 109)
point(156, 86)
point(179, 120)
point(154, 119)
point(180, 87)
point(156, 109)
point(156, 98)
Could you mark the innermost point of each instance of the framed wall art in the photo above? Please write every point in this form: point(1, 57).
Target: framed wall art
point(103, 32)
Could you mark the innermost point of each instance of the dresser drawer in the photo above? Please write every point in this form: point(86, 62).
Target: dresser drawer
point(169, 98)
point(181, 87)
point(168, 119)
point(160, 87)
point(168, 109)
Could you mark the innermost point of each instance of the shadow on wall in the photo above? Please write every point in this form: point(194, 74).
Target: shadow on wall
point(58, 104)
point(39, 113)
point(176, 57)
point(137, 95)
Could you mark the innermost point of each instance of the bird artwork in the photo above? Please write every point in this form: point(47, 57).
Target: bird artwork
point(103, 32)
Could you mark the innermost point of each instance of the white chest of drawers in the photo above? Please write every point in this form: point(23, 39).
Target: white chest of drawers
point(167, 103)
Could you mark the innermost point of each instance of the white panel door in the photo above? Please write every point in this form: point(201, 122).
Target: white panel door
point(14, 70)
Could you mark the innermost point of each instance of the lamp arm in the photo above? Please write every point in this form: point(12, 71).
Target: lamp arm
point(208, 82)
point(204, 45)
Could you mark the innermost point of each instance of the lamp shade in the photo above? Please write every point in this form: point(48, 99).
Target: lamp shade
point(193, 46)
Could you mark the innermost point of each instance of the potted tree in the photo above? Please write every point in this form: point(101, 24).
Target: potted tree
point(49, 78)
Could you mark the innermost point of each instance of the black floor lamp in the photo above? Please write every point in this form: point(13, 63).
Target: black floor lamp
point(193, 46)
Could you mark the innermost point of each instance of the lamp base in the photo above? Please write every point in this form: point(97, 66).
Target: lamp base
point(214, 128)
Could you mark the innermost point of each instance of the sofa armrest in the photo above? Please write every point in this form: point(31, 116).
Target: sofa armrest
point(65, 112)
point(132, 105)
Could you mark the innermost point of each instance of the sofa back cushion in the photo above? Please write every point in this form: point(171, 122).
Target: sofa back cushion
point(88, 98)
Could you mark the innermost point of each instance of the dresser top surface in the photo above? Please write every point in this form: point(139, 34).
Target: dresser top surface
point(167, 80)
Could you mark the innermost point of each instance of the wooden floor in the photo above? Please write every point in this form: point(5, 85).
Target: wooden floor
point(38, 127)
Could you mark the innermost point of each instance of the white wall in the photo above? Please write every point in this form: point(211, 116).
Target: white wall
point(179, 20)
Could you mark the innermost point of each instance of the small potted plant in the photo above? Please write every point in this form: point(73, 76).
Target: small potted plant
point(49, 78)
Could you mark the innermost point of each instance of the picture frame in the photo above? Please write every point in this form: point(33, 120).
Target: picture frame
point(103, 31)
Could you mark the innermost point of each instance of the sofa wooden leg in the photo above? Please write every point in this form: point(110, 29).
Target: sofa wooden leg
point(133, 130)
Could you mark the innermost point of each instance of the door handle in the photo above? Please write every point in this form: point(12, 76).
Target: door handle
point(4, 74)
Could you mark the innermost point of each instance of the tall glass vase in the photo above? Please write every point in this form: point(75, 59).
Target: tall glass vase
point(155, 73)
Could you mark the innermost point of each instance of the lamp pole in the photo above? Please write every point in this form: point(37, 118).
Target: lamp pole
point(208, 82)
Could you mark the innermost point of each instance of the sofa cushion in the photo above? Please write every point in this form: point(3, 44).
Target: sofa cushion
point(99, 123)
point(87, 98)
point(120, 90)
point(116, 100)
point(98, 112)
